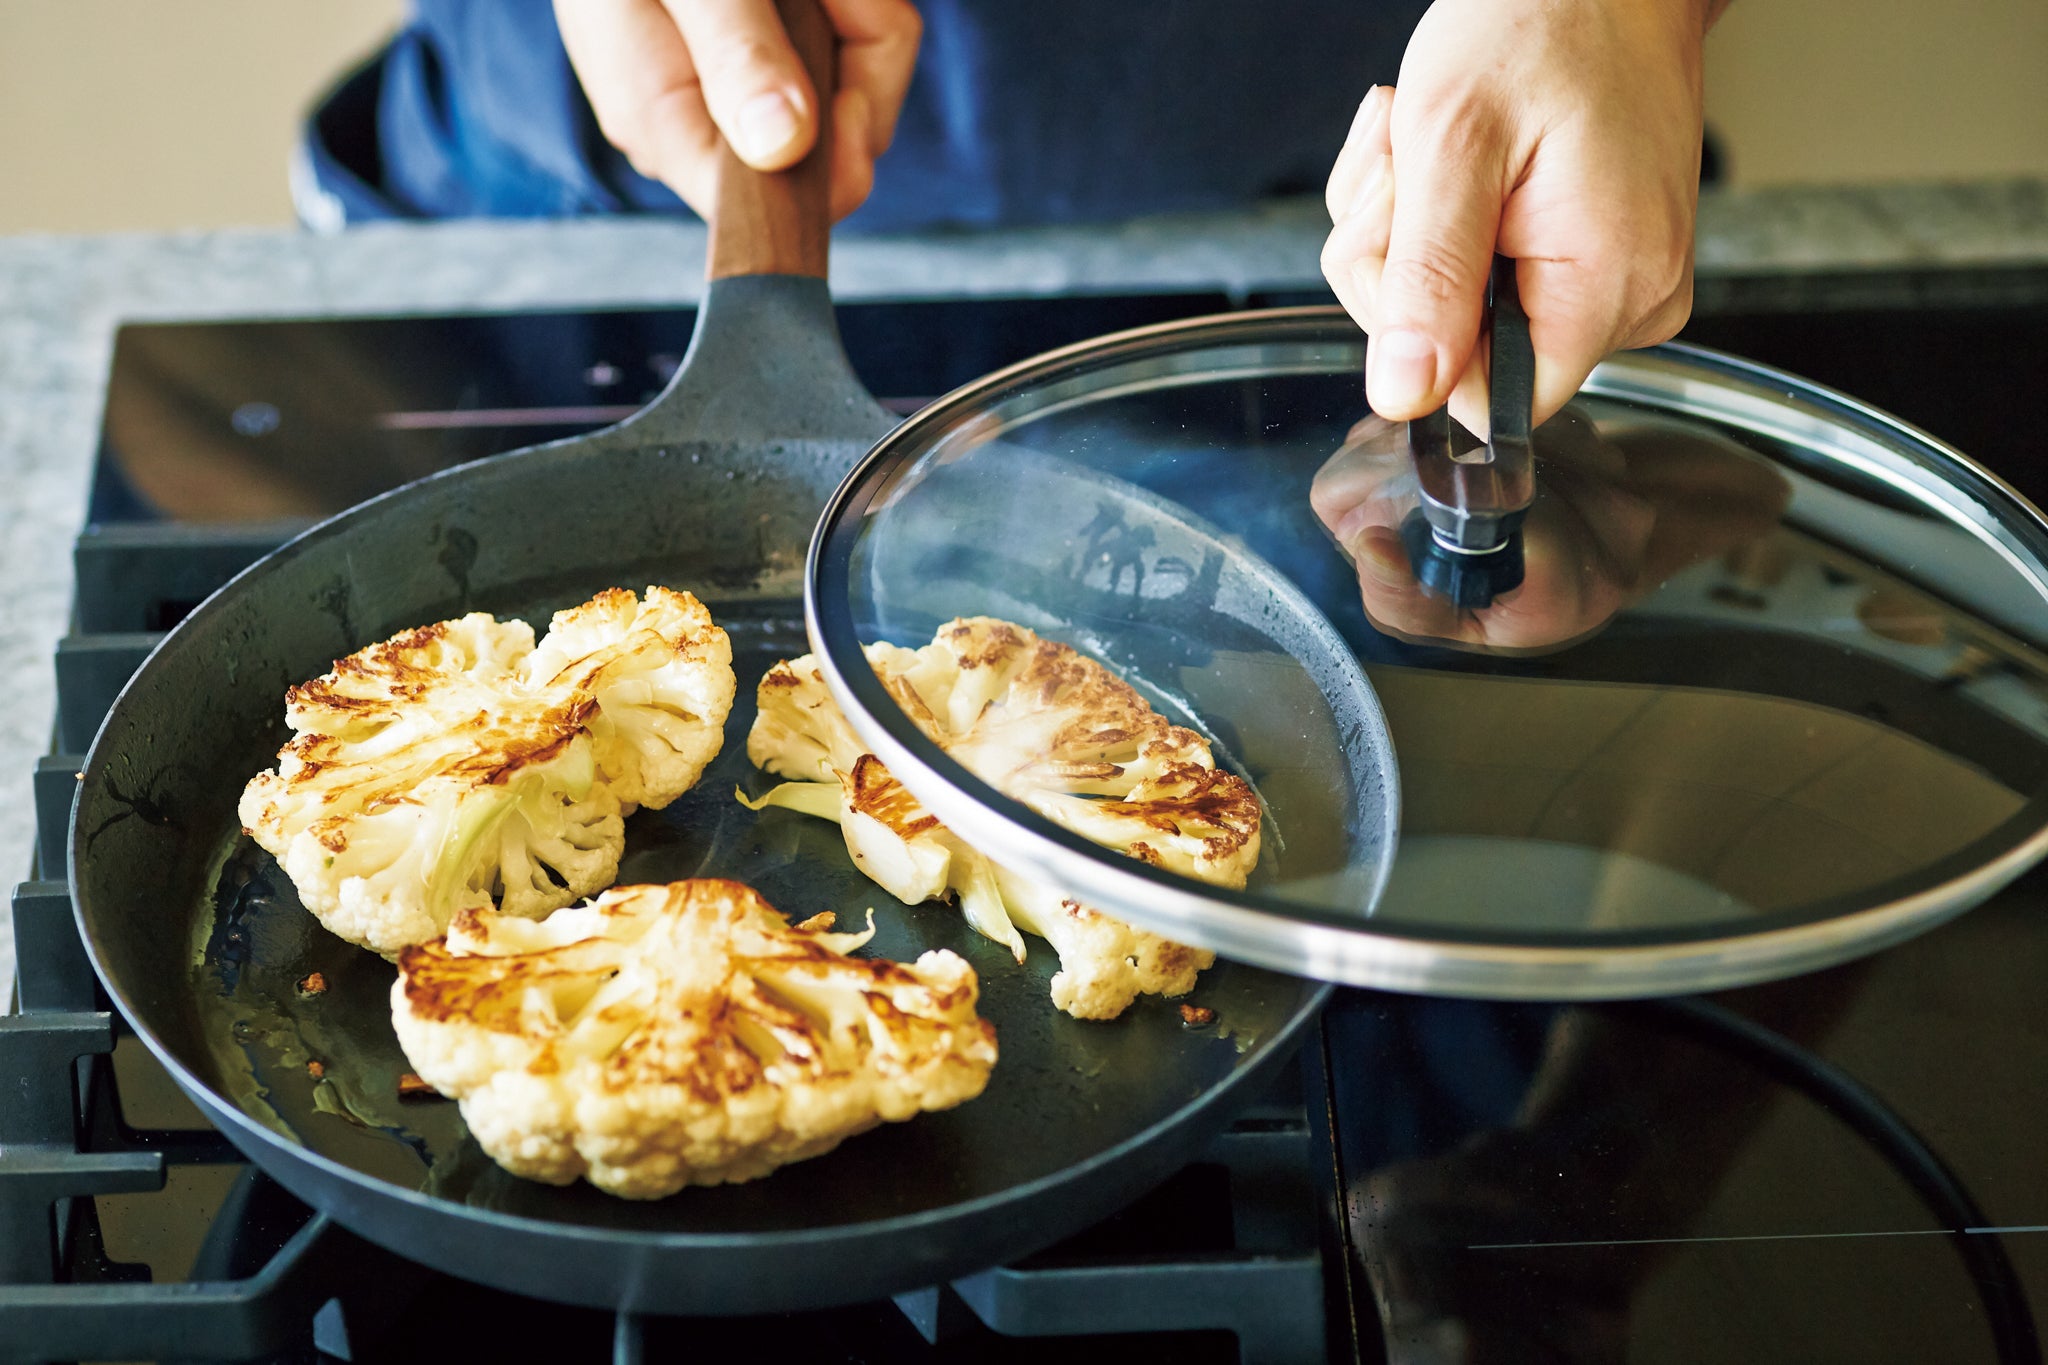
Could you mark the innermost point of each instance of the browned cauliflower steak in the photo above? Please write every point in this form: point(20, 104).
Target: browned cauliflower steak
point(433, 772)
point(1053, 729)
point(662, 676)
point(688, 1034)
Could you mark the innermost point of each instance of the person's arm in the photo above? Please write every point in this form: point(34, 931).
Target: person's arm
point(1563, 133)
point(668, 78)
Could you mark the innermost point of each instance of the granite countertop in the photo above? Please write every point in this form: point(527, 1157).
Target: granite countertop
point(62, 297)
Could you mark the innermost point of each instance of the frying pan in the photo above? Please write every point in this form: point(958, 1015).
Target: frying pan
point(714, 488)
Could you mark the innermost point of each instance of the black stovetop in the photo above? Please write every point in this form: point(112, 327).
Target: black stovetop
point(1476, 1181)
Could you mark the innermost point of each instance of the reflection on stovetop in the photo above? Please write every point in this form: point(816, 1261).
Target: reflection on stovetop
point(212, 423)
point(1464, 1181)
point(1634, 1182)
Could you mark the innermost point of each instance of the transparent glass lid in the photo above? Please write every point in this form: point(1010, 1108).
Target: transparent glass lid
point(1771, 691)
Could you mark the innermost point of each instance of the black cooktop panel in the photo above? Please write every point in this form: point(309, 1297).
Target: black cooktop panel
point(1517, 1182)
point(222, 422)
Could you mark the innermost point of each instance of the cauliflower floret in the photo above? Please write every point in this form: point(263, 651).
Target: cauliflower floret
point(457, 766)
point(664, 1036)
point(1104, 963)
point(1057, 731)
point(798, 730)
point(662, 676)
point(423, 781)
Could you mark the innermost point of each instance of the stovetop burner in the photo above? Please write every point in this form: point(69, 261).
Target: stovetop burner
point(1454, 1180)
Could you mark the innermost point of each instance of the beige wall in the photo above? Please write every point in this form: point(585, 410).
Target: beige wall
point(1857, 90)
point(163, 113)
point(179, 113)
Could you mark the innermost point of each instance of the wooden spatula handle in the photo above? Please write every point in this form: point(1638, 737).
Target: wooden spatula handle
point(779, 222)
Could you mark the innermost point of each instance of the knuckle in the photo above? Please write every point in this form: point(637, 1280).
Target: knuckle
point(1665, 320)
point(641, 162)
point(625, 131)
point(1425, 278)
point(740, 56)
point(1661, 299)
point(1355, 281)
point(1662, 254)
point(1463, 129)
point(1335, 260)
point(1677, 308)
point(633, 126)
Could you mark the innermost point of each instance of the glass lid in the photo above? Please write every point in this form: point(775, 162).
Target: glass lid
point(1146, 623)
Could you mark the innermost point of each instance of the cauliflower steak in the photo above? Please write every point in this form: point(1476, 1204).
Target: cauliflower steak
point(445, 769)
point(1057, 731)
point(661, 674)
point(664, 1036)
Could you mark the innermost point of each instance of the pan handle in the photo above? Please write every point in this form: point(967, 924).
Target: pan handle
point(779, 222)
point(765, 366)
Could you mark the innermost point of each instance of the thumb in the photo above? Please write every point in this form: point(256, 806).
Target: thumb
point(753, 83)
point(1433, 286)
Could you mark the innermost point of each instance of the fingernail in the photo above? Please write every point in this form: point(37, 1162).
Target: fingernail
point(767, 125)
point(1379, 110)
point(1370, 187)
point(1401, 369)
point(1367, 118)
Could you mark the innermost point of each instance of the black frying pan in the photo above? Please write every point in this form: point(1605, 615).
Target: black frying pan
point(714, 488)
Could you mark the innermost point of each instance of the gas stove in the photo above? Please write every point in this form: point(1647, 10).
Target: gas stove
point(1843, 1166)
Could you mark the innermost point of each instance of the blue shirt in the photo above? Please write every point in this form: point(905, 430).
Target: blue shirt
point(1048, 111)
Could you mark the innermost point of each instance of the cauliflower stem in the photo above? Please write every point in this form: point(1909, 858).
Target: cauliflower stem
point(1057, 731)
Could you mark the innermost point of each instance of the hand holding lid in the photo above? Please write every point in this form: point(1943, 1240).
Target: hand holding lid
point(1464, 541)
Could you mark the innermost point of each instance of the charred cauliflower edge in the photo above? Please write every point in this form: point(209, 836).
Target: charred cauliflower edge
point(1057, 731)
point(687, 1034)
point(456, 767)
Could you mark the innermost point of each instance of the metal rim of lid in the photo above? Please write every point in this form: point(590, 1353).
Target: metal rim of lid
point(1303, 939)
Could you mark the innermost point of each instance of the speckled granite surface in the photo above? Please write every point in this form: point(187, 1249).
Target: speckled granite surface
point(60, 299)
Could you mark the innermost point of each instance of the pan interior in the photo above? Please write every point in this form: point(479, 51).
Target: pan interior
point(1063, 1092)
